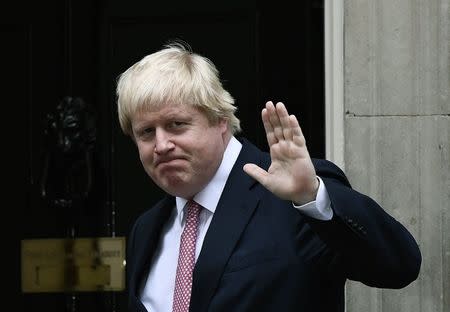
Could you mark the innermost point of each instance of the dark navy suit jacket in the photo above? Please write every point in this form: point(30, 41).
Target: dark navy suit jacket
point(261, 254)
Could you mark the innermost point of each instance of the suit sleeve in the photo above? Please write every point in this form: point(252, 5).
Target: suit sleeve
point(372, 247)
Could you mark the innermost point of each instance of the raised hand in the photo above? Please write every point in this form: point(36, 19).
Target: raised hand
point(291, 175)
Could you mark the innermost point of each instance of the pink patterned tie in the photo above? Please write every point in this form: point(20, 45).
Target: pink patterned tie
point(186, 259)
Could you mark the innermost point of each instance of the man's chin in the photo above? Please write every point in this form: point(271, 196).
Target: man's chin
point(175, 187)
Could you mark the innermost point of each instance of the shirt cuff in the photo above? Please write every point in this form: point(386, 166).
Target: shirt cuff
point(321, 207)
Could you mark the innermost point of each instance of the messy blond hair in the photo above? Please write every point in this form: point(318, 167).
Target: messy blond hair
point(174, 75)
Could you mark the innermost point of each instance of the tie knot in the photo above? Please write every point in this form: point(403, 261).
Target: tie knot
point(193, 209)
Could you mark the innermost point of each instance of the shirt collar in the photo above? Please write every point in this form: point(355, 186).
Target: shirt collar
point(209, 197)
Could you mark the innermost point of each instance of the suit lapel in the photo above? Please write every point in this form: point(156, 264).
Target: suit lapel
point(234, 210)
point(147, 236)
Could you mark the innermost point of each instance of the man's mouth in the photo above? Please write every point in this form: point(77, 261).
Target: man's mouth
point(166, 160)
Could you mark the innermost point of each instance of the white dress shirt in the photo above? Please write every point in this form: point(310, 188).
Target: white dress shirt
point(157, 291)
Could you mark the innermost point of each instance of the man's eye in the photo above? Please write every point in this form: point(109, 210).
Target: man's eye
point(146, 132)
point(177, 124)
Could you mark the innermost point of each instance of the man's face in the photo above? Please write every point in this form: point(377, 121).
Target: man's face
point(179, 148)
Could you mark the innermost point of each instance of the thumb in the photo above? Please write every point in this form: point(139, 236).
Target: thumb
point(257, 173)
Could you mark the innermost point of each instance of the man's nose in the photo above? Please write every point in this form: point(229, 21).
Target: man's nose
point(163, 142)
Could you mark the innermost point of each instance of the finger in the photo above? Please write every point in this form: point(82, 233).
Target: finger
point(295, 126)
point(257, 173)
point(297, 133)
point(271, 139)
point(275, 121)
point(284, 121)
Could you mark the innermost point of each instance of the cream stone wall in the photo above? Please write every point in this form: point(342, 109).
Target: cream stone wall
point(390, 129)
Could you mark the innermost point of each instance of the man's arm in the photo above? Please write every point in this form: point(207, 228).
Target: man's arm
point(372, 247)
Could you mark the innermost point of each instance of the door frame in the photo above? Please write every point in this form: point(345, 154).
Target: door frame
point(334, 82)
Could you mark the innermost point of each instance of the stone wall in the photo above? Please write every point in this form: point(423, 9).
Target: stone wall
point(397, 135)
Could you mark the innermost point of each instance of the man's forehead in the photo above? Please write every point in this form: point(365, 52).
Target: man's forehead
point(166, 111)
point(169, 108)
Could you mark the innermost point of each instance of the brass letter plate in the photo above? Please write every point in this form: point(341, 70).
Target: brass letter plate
point(81, 264)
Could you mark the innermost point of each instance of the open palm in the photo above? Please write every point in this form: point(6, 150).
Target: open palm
point(291, 175)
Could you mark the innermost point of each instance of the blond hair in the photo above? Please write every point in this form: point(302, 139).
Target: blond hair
point(174, 75)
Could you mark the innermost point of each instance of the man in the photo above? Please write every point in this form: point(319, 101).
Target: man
point(278, 232)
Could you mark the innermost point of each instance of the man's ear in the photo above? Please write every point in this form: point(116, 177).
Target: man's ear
point(223, 125)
